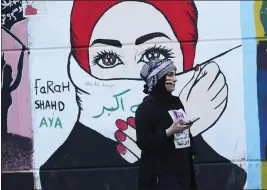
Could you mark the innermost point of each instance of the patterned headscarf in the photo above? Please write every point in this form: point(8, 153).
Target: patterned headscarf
point(155, 70)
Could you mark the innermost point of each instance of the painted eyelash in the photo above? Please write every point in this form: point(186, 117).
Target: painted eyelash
point(161, 49)
point(100, 54)
point(165, 50)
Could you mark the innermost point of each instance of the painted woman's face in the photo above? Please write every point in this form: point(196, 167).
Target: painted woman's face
point(124, 39)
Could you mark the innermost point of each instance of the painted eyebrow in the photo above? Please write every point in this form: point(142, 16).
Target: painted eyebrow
point(149, 36)
point(109, 42)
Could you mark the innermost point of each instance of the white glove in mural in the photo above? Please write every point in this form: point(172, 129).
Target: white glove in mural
point(205, 96)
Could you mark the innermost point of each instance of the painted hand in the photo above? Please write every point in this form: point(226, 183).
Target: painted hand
point(126, 137)
point(205, 96)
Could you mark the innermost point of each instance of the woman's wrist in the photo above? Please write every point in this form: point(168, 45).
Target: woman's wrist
point(169, 131)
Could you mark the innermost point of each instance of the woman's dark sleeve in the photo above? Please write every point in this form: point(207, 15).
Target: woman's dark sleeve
point(146, 139)
point(193, 145)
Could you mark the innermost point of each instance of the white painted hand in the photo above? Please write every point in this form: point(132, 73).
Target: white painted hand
point(126, 137)
point(205, 96)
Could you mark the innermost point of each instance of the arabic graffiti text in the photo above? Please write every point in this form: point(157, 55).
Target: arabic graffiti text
point(97, 84)
point(119, 104)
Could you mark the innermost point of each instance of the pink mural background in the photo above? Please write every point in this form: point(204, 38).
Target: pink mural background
point(19, 115)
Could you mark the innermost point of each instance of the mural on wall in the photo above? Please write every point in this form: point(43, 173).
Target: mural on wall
point(15, 119)
point(262, 75)
point(103, 66)
point(261, 31)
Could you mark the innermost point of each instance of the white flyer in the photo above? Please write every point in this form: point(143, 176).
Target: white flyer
point(182, 139)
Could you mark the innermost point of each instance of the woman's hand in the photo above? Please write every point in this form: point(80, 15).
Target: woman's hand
point(177, 127)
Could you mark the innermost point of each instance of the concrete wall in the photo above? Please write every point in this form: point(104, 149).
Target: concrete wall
point(77, 95)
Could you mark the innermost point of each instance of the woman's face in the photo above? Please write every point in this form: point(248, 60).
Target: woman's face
point(123, 40)
point(170, 81)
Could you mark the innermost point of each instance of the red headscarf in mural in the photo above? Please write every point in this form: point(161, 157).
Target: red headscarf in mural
point(182, 16)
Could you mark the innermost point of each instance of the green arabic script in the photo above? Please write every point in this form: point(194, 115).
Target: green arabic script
point(119, 104)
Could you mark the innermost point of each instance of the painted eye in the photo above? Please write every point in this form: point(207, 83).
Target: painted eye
point(152, 56)
point(107, 60)
point(155, 53)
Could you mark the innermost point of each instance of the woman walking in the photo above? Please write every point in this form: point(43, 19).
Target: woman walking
point(165, 163)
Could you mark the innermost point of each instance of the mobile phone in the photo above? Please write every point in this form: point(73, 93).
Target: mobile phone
point(190, 122)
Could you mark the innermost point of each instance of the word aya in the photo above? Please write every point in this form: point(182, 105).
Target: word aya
point(51, 122)
point(50, 87)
